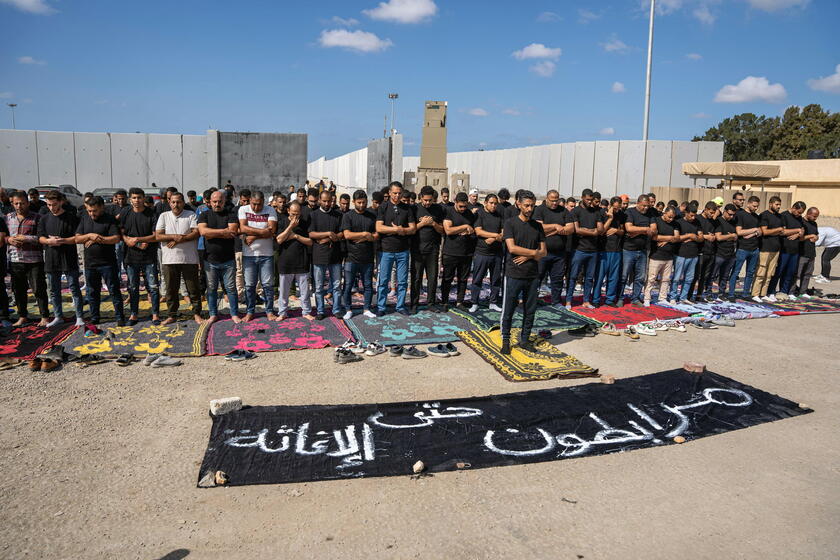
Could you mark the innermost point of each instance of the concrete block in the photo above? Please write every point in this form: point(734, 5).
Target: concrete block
point(225, 405)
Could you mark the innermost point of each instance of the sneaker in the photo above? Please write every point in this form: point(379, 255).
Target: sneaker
point(505, 347)
point(678, 326)
point(646, 304)
point(473, 308)
point(758, 299)
point(412, 353)
point(631, 333)
point(494, 307)
point(723, 321)
point(403, 312)
point(346, 357)
point(374, 349)
point(648, 330)
point(395, 351)
point(369, 314)
point(79, 322)
point(704, 325)
point(319, 317)
point(462, 306)
point(659, 326)
point(793, 298)
point(242, 355)
point(673, 302)
point(164, 361)
point(438, 350)
point(451, 349)
point(229, 356)
point(151, 358)
point(569, 306)
point(347, 315)
point(527, 345)
point(776, 297)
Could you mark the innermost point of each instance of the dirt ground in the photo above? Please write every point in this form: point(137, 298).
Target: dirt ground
point(102, 463)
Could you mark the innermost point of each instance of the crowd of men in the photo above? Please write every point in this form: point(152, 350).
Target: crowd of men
point(310, 239)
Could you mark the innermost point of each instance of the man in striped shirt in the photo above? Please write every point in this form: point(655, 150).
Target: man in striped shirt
point(27, 259)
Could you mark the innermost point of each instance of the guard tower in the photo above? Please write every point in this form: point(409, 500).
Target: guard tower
point(432, 170)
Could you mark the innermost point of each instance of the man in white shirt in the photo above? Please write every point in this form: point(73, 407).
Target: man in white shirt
point(177, 232)
point(829, 240)
point(258, 224)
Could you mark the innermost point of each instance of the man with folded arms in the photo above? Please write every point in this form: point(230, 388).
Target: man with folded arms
point(770, 222)
point(458, 249)
point(789, 250)
point(666, 239)
point(725, 239)
point(588, 225)
point(358, 226)
point(57, 233)
point(26, 258)
point(749, 235)
point(425, 249)
point(137, 225)
point(706, 258)
point(634, 258)
point(325, 232)
point(488, 253)
point(556, 224)
point(807, 252)
point(395, 224)
point(609, 255)
point(258, 223)
point(687, 255)
point(294, 261)
point(219, 225)
point(177, 232)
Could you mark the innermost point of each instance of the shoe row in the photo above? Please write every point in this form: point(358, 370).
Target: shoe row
point(351, 351)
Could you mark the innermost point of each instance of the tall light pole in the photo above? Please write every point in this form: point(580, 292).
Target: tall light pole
point(647, 81)
point(13, 105)
point(393, 97)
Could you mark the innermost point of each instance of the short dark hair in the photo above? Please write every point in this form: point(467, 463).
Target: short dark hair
point(95, 201)
point(54, 195)
point(171, 189)
point(672, 202)
point(615, 199)
point(730, 208)
point(711, 205)
point(753, 199)
point(642, 198)
point(412, 195)
point(587, 192)
point(377, 197)
point(312, 192)
point(692, 208)
point(191, 193)
point(301, 191)
point(346, 196)
point(245, 192)
point(669, 210)
point(358, 195)
point(136, 190)
point(395, 184)
point(525, 195)
point(120, 191)
point(444, 190)
point(427, 190)
point(176, 193)
point(461, 197)
point(490, 196)
point(504, 194)
point(258, 195)
point(571, 199)
point(19, 194)
point(33, 190)
point(736, 194)
point(775, 199)
point(596, 194)
point(799, 205)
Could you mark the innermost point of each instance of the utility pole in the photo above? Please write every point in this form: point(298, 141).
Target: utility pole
point(13, 105)
point(647, 81)
point(393, 97)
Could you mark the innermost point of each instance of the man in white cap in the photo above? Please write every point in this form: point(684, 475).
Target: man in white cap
point(472, 201)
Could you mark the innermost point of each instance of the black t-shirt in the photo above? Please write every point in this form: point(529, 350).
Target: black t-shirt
point(395, 215)
point(612, 243)
point(427, 239)
point(789, 221)
point(772, 220)
point(491, 223)
point(652, 213)
point(504, 206)
point(688, 249)
point(117, 211)
point(99, 254)
point(527, 235)
point(293, 257)
point(706, 225)
point(37, 206)
point(361, 252)
point(587, 217)
point(554, 244)
point(725, 249)
point(320, 221)
point(511, 211)
point(747, 220)
point(139, 224)
point(665, 252)
point(61, 258)
point(217, 249)
point(809, 248)
point(459, 245)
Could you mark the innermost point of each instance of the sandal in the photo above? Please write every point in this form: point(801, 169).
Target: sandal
point(610, 329)
point(125, 360)
point(48, 364)
point(630, 332)
point(35, 365)
point(88, 360)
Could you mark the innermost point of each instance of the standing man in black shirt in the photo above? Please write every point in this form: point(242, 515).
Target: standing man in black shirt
point(666, 239)
point(395, 224)
point(99, 233)
point(749, 234)
point(588, 225)
point(609, 255)
point(770, 222)
point(325, 232)
point(57, 233)
point(138, 229)
point(556, 225)
point(700, 285)
point(294, 260)
point(119, 205)
point(35, 202)
point(807, 252)
point(458, 249)
point(504, 201)
point(488, 253)
point(634, 254)
point(359, 229)
point(725, 238)
point(425, 249)
point(687, 255)
point(219, 225)
point(525, 242)
point(789, 251)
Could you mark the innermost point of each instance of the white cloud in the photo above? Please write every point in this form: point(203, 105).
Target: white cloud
point(403, 11)
point(513, 112)
point(6, 95)
point(30, 60)
point(39, 7)
point(549, 17)
point(477, 112)
point(609, 131)
point(537, 50)
point(349, 22)
point(777, 5)
point(359, 41)
point(831, 83)
point(700, 116)
point(614, 44)
point(663, 7)
point(694, 56)
point(704, 15)
point(544, 69)
point(618, 87)
point(752, 88)
point(586, 16)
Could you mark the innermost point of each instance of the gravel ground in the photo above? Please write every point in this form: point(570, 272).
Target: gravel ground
point(102, 463)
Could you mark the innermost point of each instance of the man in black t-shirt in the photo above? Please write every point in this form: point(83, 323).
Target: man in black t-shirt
point(504, 201)
point(325, 232)
point(4, 296)
point(807, 253)
point(358, 226)
point(665, 238)
point(588, 225)
point(789, 251)
point(749, 235)
point(57, 233)
point(488, 253)
point(700, 285)
point(425, 250)
point(458, 248)
point(525, 241)
point(137, 226)
point(219, 226)
point(687, 255)
point(556, 226)
point(725, 239)
point(609, 255)
point(99, 233)
point(294, 260)
point(770, 222)
point(118, 206)
point(395, 224)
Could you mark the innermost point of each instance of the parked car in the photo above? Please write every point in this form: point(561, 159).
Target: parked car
point(74, 197)
point(107, 194)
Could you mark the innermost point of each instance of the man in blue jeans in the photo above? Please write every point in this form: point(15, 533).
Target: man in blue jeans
point(219, 226)
point(749, 234)
point(637, 231)
point(137, 225)
point(691, 238)
point(258, 223)
point(359, 228)
point(395, 224)
point(609, 255)
point(588, 225)
point(557, 225)
point(790, 247)
point(326, 235)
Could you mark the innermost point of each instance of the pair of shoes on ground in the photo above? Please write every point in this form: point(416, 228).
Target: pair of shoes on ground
point(492, 307)
point(527, 345)
point(443, 350)
point(161, 360)
point(408, 353)
point(586, 331)
point(367, 313)
point(240, 355)
point(351, 351)
point(43, 364)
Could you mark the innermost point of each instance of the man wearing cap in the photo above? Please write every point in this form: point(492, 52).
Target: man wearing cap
point(473, 204)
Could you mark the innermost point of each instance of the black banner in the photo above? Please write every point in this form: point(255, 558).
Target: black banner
point(275, 444)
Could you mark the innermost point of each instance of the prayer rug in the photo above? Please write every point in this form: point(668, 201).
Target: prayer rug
point(424, 327)
point(735, 310)
point(544, 363)
point(279, 444)
point(630, 314)
point(806, 306)
point(106, 308)
point(26, 342)
point(181, 339)
point(262, 335)
point(547, 317)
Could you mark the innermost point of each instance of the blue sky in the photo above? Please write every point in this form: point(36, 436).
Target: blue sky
point(514, 73)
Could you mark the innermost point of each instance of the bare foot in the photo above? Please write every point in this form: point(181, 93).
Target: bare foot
point(20, 322)
point(43, 323)
point(198, 318)
point(211, 319)
point(247, 317)
point(309, 317)
point(271, 316)
point(134, 317)
point(279, 318)
point(168, 321)
point(235, 319)
point(588, 305)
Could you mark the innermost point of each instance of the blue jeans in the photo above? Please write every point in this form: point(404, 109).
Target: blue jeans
point(224, 274)
point(261, 268)
point(94, 277)
point(388, 262)
point(54, 285)
point(582, 259)
point(554, 265)
point(609, 269)
point(149, 272)
point(785, 271)
point(119, 249)
point(634, 262)
point(351, 272)
point(751, 258)
point(683, 276)
point(320, 272)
